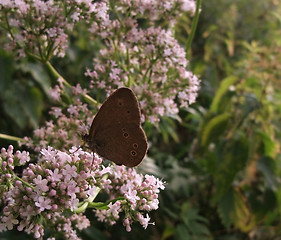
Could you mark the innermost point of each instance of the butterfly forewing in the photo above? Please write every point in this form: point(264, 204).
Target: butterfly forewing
point(121, 106)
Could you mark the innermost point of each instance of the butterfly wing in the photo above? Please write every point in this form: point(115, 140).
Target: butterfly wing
point(116, 133)
point(123, 143)
point(120, 107)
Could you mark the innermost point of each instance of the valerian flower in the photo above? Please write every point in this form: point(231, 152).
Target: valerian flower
point(55, 186)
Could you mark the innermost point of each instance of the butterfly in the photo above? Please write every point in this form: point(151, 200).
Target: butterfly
point(116, 133)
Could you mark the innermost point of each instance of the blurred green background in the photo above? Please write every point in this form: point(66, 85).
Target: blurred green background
point(222, 163)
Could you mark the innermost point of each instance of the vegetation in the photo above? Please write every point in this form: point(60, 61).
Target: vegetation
point(220, 158)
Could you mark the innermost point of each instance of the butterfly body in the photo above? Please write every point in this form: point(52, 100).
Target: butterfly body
point(116, 133)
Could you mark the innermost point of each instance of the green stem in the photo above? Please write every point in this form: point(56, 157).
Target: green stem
point(85, 204)
point(33, 56)
point(112, 6)
point(23, 182)
point(8, 137)
point(104, 205)
point(193, 27)
point(50, 50)
point(56, 75)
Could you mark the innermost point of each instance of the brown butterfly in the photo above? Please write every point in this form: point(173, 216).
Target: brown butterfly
point(116, 133)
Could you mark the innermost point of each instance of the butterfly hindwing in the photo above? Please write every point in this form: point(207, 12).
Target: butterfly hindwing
point(122, 144)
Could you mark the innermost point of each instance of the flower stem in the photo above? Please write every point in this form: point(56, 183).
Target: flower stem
point(8, 137)
point(23, 182)
point(56, 75)
point(104, 205)
point(193, 27)
point(84, 205)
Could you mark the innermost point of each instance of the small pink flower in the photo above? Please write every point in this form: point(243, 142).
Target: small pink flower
point(73, 203)
point(23, 157)
point(10, 221)
point(63, 157)
point(114, 209)
point(55, 93)
point(126, 223)
point(56, 112)
point(43, 203)
point(41, 184)
point(69, 172)
point(72, 189)
point(55, 175)
point(73, 110)
point(144, 221)
point(48, 153)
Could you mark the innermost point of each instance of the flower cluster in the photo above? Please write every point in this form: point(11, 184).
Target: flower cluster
point(54, 191)
point(46, 189)
point(138, 51)
point(147, 59)
point(140, 192)
point(156, 9)
point(41, 28)
point(67, 126)
point(8, 161)
point(126, 11)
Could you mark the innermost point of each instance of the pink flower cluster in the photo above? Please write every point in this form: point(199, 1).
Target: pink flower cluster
point(139, 48)
point(46, 189)
point(140, 192)
point(31, 23)
point(61, 181)
point(155, 9)
point(67, 126)
point(147, 59)
point(42, 27)
point(8, 161)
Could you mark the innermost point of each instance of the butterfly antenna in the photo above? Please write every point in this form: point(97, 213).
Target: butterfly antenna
point(92, 162)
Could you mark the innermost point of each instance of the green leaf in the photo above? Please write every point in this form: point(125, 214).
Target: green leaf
point(39, 75)
point(223, 88)
point(197, 228)
point(93, 233)
point(14, 234)
point(195, 223)
point(226, 208)
point(22, 101)
point(33, 106)
point(13, 107)
point(6, 70)
point(267, 166)
point(214, 128)
point(232, 157)
point(24, 105)
point(233, 209)
point(263, 207)
point(182, 233)
point(168, 232)
point(251, 104)
point(167, 127)
point(270, 146)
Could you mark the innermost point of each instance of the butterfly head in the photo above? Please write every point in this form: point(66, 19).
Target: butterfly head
point(89, 142)
point(85, 137)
